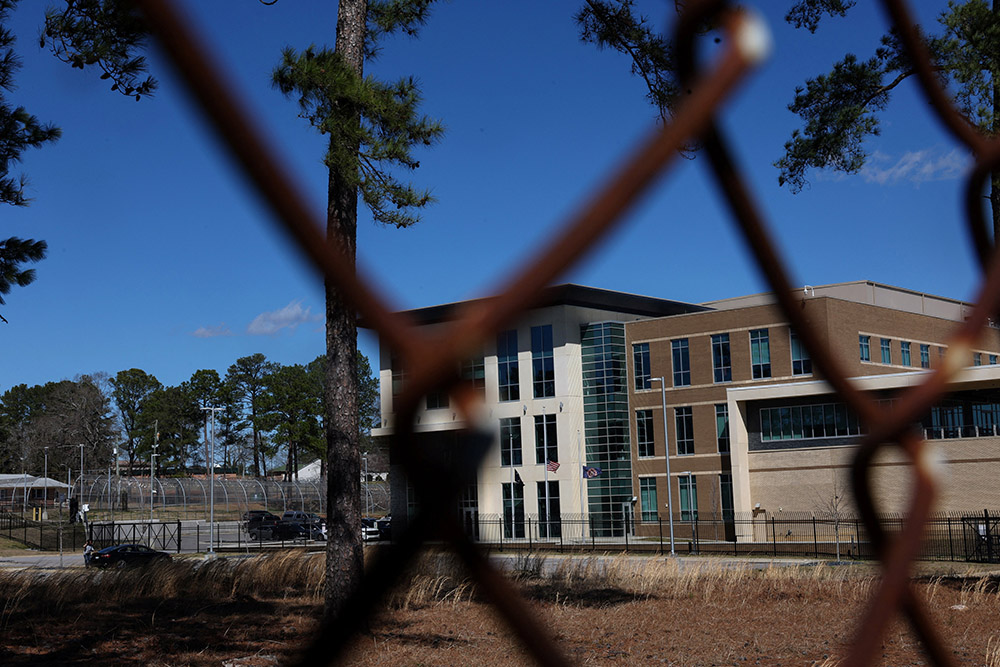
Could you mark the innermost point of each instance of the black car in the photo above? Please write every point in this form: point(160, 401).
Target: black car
point(127, 555)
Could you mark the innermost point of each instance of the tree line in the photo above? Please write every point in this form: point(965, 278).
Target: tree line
point(267, 415)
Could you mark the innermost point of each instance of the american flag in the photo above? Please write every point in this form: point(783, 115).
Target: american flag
point(552, 466)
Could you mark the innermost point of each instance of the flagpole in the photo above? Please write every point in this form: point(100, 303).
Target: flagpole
point(545, 459)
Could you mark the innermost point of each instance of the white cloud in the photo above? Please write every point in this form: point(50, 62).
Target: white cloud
point(915, 167)
point(212, 332)
point(289, 317)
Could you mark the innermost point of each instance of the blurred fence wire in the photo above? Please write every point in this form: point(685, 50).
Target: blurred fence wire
point(430, 360)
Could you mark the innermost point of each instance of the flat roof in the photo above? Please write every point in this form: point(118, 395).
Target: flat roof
point(569, 294)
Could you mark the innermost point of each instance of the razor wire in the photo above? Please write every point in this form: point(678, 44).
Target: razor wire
point(431, 359)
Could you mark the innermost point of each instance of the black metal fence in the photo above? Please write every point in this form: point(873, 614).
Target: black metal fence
point(966, 536)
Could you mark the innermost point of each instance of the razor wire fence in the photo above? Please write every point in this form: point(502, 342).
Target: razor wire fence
point(430, 360)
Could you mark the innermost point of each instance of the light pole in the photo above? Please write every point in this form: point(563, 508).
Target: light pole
point(45, 485)
point(152, 480)
point(81, 475)
point(666, 455)
point(211, 491)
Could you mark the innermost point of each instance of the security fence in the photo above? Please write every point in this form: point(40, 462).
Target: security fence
point(431, 360)
point(111, 497)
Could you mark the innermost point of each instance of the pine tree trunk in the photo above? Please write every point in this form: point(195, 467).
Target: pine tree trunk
point(345, 556)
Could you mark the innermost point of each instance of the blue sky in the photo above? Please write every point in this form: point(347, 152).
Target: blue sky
point(161, 258)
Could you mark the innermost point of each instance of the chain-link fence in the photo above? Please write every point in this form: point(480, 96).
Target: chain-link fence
point(431, 360)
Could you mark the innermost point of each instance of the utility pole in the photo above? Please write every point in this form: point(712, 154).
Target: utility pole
point(666, 455)
point(211, 492)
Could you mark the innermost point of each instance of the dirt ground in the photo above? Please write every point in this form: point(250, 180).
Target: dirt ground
point(710, 620)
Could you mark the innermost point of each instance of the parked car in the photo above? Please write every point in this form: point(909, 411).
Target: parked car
point(260, 525)
point(305, 518)
point(369, 530)
point(127, 555)
point(384, 526)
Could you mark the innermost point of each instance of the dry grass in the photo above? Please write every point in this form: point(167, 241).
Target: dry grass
point(257, 611)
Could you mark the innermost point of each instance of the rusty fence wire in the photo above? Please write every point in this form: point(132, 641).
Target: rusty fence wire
point(431, 360)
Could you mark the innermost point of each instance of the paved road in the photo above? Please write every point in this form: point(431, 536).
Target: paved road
point(42, 561)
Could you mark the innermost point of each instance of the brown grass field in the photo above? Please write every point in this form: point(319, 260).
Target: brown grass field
point(609, 611)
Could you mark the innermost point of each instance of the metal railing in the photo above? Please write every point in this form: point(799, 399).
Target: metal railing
point(431, 358)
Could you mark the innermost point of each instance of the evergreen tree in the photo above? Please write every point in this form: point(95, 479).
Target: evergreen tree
point(87, 33)
point(205, 386)
point(248, 377)
point(130, 391)
point(372, 129)
point(19, 131)
point(840, 109)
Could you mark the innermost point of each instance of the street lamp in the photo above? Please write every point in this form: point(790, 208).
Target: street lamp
point(666, 455)
point(45, 485)
point(211, 492)
point(81, 475)
point(152, 480)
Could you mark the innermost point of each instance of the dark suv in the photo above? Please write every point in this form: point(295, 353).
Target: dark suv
point(260, 524)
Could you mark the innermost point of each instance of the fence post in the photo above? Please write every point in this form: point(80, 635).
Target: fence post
point(197, 536)
point(660, 522)
point(989, 538)
point(593, 542)
point(529, 534)
point(179, 535)
point(951, 546)
point(774, 537)
point(815, 539)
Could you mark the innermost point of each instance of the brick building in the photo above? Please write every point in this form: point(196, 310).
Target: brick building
point(750, 425)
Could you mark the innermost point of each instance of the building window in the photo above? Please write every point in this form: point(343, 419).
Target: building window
point(644, 432)
point(398, 375)
point(474, 372)
point(513, 509)
point(886, 346)
point(904, 353)
point(510, 441)
point(726, 494)
point(549, 514)
point(684, 428)
point(542, 363)
point(977, 358)
point(925, 356)
point(681, 361)
point(993, 360)
point(647, 498)
point(803, 422)
point(721, 361)
point(507, 375)
point(437, 400)
point(640, 359)
point(801, 363)
point(689, 498)
point(722, 426)
point(546, 444)
point(760, 354)
point(864, 345)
